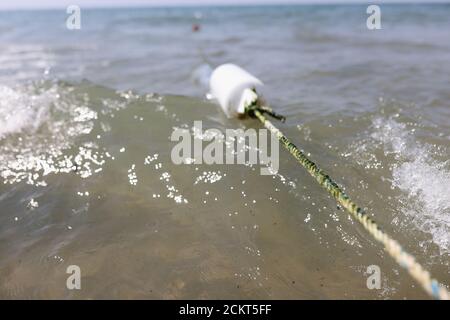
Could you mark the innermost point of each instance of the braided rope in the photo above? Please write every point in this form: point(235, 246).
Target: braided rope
point(395, 250)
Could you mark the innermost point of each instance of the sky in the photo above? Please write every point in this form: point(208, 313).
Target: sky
point(42, 4)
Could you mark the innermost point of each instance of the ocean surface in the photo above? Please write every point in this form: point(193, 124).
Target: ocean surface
point(86, 176)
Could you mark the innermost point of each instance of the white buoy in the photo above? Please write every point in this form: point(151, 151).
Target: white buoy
point(233, 87)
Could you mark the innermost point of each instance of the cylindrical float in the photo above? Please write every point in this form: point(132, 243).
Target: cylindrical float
point(233, 87)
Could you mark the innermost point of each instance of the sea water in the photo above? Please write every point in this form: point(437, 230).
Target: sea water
point(86, 176)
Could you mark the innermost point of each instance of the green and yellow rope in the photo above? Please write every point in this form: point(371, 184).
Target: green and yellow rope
point(395, 250)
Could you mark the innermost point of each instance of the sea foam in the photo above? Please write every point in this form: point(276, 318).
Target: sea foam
point(20, 110)
point(423, 179)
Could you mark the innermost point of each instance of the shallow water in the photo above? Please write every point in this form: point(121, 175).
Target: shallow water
point(85, 124)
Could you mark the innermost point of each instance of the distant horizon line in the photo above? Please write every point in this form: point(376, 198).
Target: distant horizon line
point(192, 5)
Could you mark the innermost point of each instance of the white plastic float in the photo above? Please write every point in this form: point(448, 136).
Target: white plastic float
point(233, 87)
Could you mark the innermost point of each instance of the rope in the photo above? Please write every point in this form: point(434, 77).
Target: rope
point(395, 250)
